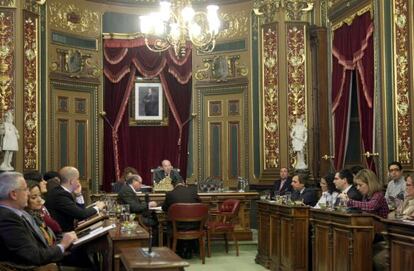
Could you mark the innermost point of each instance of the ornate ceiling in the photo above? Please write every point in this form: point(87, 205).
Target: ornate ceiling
point(155, 2)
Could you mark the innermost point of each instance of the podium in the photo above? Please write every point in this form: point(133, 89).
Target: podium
point(341, 241)
point(283, 236)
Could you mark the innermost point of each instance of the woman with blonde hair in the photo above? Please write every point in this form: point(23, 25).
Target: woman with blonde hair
point(373, 200)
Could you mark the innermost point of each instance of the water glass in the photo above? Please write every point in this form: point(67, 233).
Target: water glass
point(288, 197)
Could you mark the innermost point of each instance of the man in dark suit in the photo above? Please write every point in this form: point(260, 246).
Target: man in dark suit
point(183, 194)
point(62, 205)
point(166, 171)
point(284, 184)
point(127, 195)
point(344, 183)
point(302, 193)
point(21, 239)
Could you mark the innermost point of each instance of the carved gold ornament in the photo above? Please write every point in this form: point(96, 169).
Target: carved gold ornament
point(8, 3)
point(76, 64)
point(7, 59)
point(270, 81)
point(221, 68)
point(293, 8)
point(235, 24)
point(402, 82)
point(30, 93)
point(70, 17)
point(296, 70)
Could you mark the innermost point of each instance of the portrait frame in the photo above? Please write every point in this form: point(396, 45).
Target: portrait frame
point(147, 105)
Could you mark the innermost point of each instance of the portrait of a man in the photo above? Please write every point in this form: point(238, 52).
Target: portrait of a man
point(148, 101)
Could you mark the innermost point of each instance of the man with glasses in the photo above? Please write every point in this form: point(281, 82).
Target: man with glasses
point(396, 185)
point(21, 240)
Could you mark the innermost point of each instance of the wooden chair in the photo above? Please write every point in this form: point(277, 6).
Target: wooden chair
point(188, 223)
point(224, 223)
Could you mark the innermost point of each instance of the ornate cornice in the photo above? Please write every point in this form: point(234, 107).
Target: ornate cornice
point(294, 8)
point(349, 19)
point(8, 3)
point(236, 24)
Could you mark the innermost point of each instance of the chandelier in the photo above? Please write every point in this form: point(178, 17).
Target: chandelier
point(176, 24)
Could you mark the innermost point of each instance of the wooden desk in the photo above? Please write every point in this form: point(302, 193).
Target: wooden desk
point(119, 240)
point(400, 237)
point(214, 200)
point(283, 236)
point(342, 241)
point(134, 259)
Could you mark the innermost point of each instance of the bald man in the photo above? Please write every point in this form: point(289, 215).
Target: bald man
point(63, 206)
point(166, 171)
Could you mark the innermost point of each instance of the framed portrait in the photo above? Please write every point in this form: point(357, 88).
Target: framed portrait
point(147, 104)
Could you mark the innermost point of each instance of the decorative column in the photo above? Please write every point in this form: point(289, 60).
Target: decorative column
point(284, 84)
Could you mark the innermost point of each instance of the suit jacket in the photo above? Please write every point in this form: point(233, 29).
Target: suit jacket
point(128, 196)
point(64, 210)
point(159, 174)
point(354, 194)
point(180, 194)
point(20, 244)
point(287, 186)
point(308, 196)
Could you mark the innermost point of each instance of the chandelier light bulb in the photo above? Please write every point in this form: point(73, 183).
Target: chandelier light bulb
point(165, 10)
point(188, 14)
point(195, 30)
point(174, 31)
point(213, 20)
point(144, 23)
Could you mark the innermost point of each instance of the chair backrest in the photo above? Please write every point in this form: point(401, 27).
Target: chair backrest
point(188, 212)
point(229, 210)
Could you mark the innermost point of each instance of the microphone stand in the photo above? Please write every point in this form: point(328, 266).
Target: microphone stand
point(148, 252)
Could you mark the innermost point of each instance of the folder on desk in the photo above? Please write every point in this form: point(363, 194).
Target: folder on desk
point(93, 235)
point(90, 221)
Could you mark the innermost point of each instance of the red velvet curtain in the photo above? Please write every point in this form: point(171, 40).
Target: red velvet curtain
point(353, 50)
point(144, 147)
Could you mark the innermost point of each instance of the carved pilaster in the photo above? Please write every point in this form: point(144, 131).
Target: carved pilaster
point(270, 79)
point(296, 71)
point(7, 60)
point(402, 82)
point(30, 93)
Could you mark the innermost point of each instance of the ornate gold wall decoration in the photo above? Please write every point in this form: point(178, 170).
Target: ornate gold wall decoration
point(296, 71)
point(270, 86)
point(8, 3)
point(267, 9)
point(221, 68)
point(32, 6)
point(69, 17)
point(349, 19)
point(402, 82)
point(30, 91)
point(74, 63)
point(296, 8)
point(235, 24)
point(7, 59)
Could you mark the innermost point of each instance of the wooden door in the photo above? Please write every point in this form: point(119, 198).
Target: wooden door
point(224, 141)
point(71, 139)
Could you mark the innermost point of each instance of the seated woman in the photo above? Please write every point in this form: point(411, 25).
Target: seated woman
point(36, 209)
point(373, 200)
point(329, 192)
point(407, 206)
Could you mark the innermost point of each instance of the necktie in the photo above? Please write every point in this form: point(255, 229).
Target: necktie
point(29, 220)
point(282, 182)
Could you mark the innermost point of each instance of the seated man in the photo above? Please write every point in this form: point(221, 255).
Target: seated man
point(396, 185)
point(127, 195)
point(166, 171)
point(302, 193)
point(61, 203)
point(22, 242)
point(183, 194)
point(343, 181)
point(284, 184)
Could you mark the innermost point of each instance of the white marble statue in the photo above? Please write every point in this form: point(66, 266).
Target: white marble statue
point(299, 135)
point(8, 140)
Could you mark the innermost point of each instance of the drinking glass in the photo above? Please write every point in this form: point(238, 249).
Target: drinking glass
point(288, 197)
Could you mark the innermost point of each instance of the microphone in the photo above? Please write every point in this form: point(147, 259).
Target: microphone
point(147, 199)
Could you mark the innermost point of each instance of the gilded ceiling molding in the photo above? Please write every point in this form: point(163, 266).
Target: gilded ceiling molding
point(402, 81)
point(270, 86)
point(296, 81)
point(70, 17)
point(235, 24)
point(350, 18)
point(8, 3)
point(30, 91)
point(7, 60)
